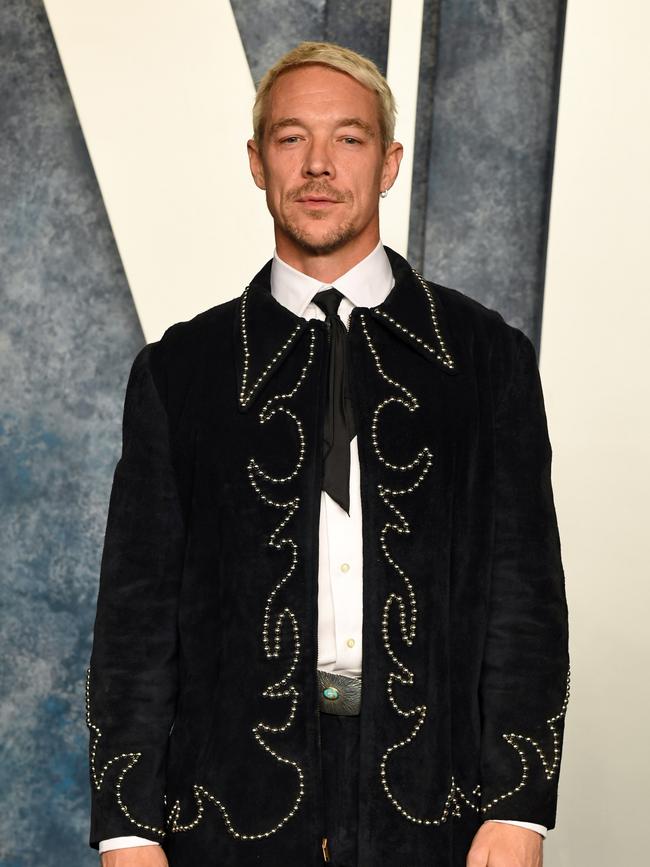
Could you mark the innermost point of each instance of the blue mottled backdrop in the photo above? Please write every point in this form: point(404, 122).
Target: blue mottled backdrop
point(68, 328)
point(68, 333)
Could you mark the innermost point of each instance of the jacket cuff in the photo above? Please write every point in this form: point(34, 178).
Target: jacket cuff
point(127, 786)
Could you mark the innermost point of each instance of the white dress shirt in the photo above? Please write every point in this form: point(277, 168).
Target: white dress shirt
point(340, 568)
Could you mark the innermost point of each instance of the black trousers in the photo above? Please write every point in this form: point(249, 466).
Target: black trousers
point(340, 753)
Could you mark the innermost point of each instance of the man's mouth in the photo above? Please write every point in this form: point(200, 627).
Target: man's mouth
point(318, 200)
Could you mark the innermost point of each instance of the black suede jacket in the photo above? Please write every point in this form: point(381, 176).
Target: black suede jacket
point(201, 693)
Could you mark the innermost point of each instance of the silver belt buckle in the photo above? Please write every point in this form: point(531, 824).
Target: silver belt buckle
point(339, 693)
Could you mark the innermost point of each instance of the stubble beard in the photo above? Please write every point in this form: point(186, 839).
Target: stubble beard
point(336, 238)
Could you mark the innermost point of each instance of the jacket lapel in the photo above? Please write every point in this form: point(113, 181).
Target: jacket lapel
point(266, 331)
point(412, 309)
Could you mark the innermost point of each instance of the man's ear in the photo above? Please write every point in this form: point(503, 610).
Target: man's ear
point(392, 159)
point(255, 162)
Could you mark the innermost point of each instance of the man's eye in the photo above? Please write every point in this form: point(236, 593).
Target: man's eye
point(351, 139)
point(289, 138)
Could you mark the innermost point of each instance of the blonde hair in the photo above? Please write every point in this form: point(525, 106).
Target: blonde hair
point(337, 57)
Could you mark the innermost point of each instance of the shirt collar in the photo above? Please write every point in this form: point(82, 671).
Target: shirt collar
point(366, 284)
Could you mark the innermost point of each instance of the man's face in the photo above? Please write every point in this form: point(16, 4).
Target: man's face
point(322, 162)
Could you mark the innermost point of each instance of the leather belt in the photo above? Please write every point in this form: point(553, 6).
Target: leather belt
point(339, 693)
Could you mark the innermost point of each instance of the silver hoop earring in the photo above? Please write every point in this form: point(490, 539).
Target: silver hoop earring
point(383, 194)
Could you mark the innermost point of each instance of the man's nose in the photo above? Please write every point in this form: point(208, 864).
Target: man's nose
point(318, 161)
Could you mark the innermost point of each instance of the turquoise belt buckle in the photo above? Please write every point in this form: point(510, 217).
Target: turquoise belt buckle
point(339, 693)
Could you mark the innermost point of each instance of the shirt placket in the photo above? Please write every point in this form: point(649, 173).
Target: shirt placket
point(345, 571)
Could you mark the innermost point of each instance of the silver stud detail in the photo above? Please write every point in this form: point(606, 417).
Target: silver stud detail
point(517, 742)
point(422, 461)
point(126, 760)
point(271, 630)
point(442, 354)
point(244, 396)
point(404, 675)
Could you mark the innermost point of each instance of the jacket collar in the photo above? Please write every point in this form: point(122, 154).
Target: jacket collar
point(266, 330)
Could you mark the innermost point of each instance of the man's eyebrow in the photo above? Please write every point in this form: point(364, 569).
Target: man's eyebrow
point(285, 121)
point(357, 121)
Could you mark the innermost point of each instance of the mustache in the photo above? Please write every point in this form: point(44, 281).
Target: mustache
point(320, 190)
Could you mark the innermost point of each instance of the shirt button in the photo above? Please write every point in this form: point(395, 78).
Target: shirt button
point(350, 642)
point(345, 567)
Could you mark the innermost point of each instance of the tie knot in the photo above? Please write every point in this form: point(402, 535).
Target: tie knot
point(328, 300)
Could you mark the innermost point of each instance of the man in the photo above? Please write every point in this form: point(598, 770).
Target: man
point(331, 624)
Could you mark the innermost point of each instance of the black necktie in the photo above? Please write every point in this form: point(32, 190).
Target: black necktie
point(339, 428)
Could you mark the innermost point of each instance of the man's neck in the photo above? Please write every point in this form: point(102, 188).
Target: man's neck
point(327, 267)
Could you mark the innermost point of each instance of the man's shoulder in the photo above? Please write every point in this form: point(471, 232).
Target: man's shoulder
point(466, 319)
point(474, 323)
point(188, 345)
point(210, 324)
point(466, 310)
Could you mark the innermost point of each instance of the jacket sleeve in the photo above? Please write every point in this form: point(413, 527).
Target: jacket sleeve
point(524, 685)
point(131, 681)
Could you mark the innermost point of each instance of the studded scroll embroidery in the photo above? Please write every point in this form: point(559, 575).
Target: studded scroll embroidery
point(120, 758)
point(408, 623)
point(245, 396)
point(518, 743)
point(271, 630)
point(442, 354)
